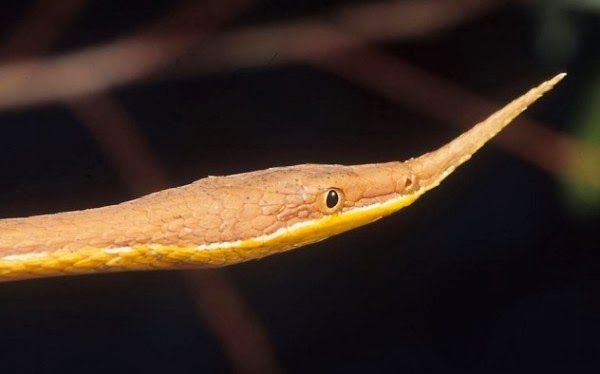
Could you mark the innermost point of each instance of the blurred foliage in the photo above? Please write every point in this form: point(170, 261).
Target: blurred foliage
point(585, 197)
point(560, 24)
point(584, 5)
point(560, 28)
point(557, 36)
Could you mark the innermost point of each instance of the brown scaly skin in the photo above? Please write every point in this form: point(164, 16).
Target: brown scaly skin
point(214, 209)
point(218, 221)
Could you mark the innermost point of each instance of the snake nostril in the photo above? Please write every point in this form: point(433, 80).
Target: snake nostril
point(408, 182)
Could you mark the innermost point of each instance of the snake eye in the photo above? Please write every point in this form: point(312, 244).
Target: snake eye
point(332, 200)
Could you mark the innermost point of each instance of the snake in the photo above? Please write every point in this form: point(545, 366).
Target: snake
point(224, 220)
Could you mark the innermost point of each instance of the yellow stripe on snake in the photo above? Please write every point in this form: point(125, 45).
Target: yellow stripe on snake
point(218, 221)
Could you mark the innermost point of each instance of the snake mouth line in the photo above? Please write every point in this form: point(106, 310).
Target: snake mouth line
point(327, 226)
point(321, 228)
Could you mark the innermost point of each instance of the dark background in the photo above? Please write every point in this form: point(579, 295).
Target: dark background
point(494, 271)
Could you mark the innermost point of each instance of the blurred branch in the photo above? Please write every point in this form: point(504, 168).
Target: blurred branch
point(40, 29)
point(99, 68)
point(122, 142)
point(347, 28)
point(244, 338)
point(407, 20)
point(146, 53)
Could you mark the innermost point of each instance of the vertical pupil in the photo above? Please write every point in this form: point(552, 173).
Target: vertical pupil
point(332, 199)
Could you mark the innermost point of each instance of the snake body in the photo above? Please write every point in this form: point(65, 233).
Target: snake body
point(218, 221)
